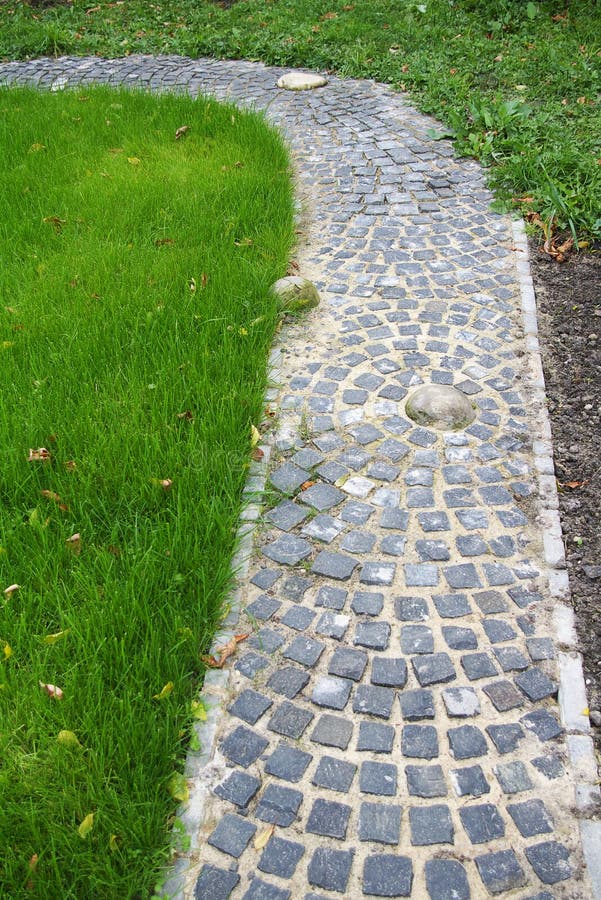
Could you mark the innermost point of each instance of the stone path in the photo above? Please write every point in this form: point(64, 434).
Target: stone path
point(394, 712)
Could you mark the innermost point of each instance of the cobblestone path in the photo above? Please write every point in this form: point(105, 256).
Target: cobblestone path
point(394, 714)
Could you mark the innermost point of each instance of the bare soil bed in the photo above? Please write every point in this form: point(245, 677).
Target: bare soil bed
point(568, 297)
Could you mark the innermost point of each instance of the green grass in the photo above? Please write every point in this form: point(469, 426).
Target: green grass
point(135, 321)
point(518, 84)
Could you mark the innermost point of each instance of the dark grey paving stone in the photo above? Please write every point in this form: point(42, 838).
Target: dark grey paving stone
point(355, 458)
point(387, 875)
point(378, 778)
point(307, 458)
point(358, 542)
point(550, 860)
point(215, 884)
point(419, 741)
point(463, 575)
point(431, 825)
point(331, 691)
point(348, 663)
point(250, 706)
point(294, 587)
point(397, 519)
point(478, 665)
point(503, 695)
point(304, 650)
point(250, 664)
point(286, 516)
point(373, 635)
point(490, 602)
point(288, 763)
point(331, 471)
point(536, 685)
point(279, 805)
point(434, 668)
point(376, 701)
point(380, 823)
point(549, 766)
point(263, 608)
point(334, 774)
point(288, 681)
point(232, 835)
point(513, 777)
point(433, 521)
point(263, 890)
point(322, 496)
point(365, 603)
point(377, 573)
point(531, 817)
point(425, 781)
point(332, 625)
point(540, 648)
point(498, 630)
point(500, 871)
point(421, 574)
point(331, 597)
point(242, 746)
point(280, 857)
point(267, 640)
point(290, 720)
point(332, 731)
point(432, 550)
point(356, 513)
point(330, 869)
point(458, 498)
point(287, 478)
point(446, 879)
point(470, 781)
point(393, 544)
point(417, 705)
point(265, 578)
point(461, 702)
point(389, 672)
point(511, 659)
point(411, 609)
point(523, 597)
point(334, 565)
point(471, 545)
point(324, 528)
point(417, 639)
point(375, 737)
point(505, 737)
point(452, 606)
point(238, 788)
point(298, 617)
point(459, 638)
point(288, 550)
point(543, 723)
point(482, 823)
point(328, 818)
point(497, 574)
point(466, 742)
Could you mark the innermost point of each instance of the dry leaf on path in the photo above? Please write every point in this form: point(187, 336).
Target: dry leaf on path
point(263, 838)
point(224, 653)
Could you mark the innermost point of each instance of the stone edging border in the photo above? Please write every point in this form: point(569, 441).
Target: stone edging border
point(572, 689)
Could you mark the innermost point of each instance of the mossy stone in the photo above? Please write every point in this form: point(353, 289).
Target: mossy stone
point(440, 406)
point(295, 294)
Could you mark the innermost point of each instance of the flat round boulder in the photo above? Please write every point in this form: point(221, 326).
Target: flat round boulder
point(440, 406)
point(295, 294)
point(301, 81)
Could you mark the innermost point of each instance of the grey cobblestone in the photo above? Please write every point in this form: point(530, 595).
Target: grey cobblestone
point(419, 284)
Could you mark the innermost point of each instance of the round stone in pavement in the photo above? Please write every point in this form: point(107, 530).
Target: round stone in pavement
point(301, 81)
point(440, 406)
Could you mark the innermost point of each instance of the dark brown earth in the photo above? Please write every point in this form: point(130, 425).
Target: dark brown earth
point(568, 297)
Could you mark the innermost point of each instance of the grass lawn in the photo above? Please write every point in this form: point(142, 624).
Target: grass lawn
point(517, 83)
point(135, 321)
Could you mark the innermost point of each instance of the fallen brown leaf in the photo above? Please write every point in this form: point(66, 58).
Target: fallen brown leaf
point(11, 589)
point(40, 454)
point(224, 653)
point(307, 484)
point(188, 415)
point(184, 129)
point(257, 454)
point(572, 485)
point(52, 690)
point(56, 498)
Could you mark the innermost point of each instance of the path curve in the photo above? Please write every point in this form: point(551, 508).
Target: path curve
point(394, 713)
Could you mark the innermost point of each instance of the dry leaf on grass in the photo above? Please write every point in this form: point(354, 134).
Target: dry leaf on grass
point(40, 454)
point(184, 129)
point(52, 690)
point(11, 589)
point(165, 691)
point(86, 826)
point(52, 495)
